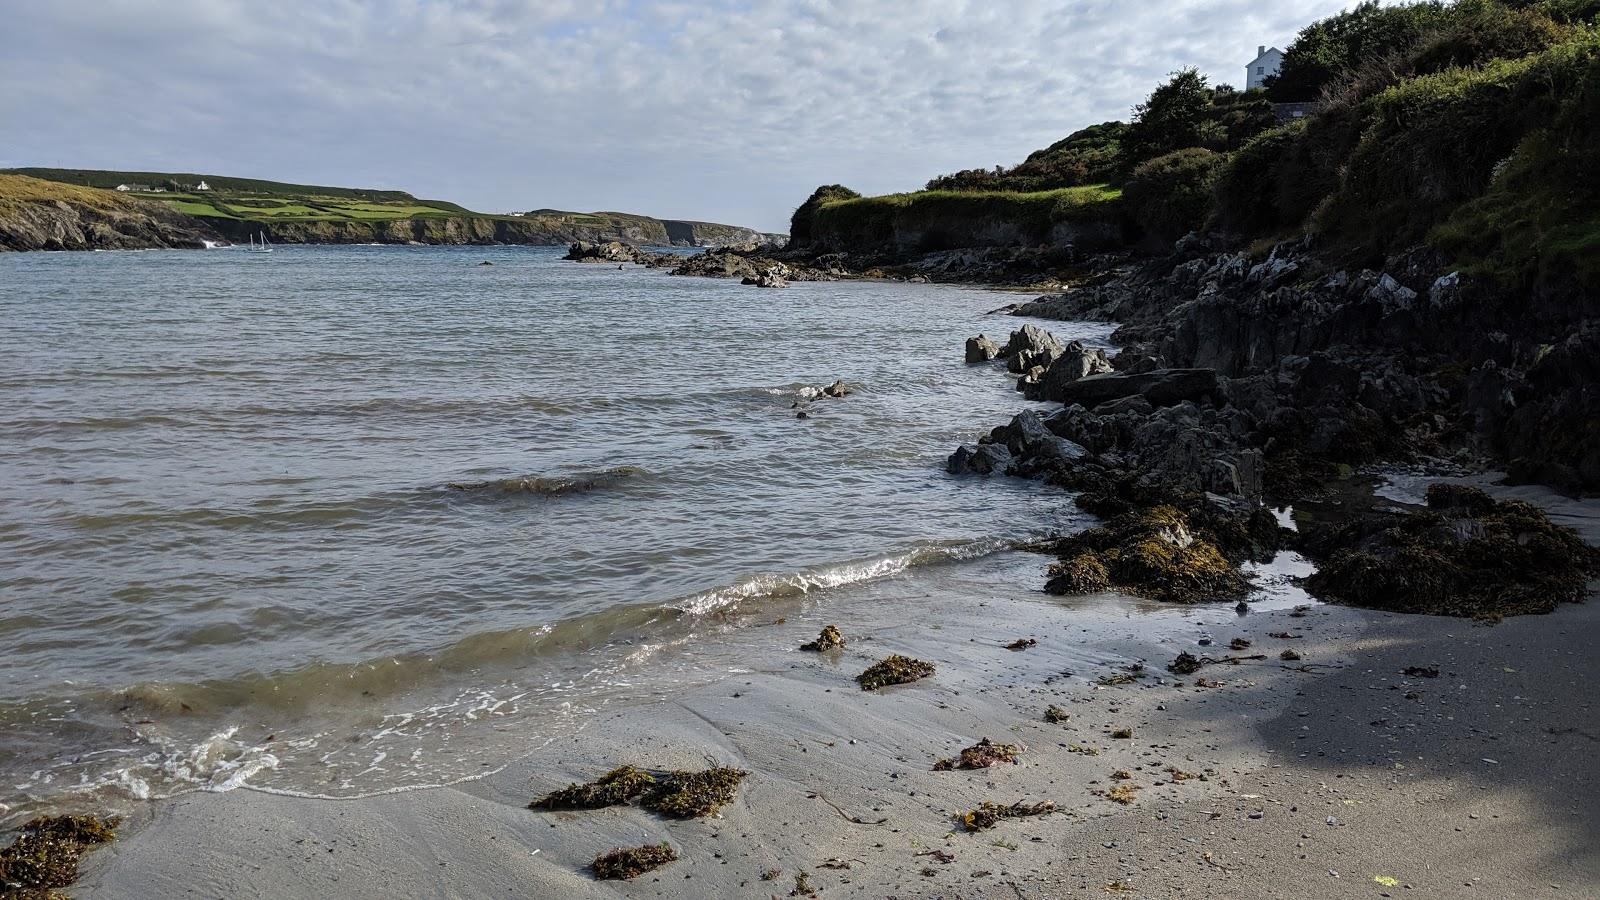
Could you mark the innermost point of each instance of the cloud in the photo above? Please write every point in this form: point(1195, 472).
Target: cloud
point(720, 110)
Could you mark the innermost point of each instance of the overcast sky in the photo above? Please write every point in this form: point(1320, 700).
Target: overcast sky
point(722, 110)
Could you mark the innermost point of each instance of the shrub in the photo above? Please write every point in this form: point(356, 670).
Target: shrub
point(801, 222)
point(1326, 51)
point(1434, 143)
point(1087, 156)
point(1482, 30)
point(1177, 115)
point(1170, 195)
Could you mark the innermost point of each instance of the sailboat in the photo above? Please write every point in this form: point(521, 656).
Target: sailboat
point(262, 247)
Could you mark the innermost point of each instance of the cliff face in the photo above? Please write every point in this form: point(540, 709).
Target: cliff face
point(43, 215)
point(462, 230)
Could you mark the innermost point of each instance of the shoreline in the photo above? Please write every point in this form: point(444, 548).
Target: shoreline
point(1294, 745)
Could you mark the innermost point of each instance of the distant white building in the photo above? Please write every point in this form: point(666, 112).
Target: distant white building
point(1266, 64)
point(202, 186)
point(124, 187)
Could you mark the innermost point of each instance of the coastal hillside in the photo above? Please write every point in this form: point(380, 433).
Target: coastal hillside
point(238, 208)
point(1390, 253)
point(47, 215)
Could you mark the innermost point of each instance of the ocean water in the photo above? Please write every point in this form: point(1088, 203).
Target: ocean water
point(351, 519)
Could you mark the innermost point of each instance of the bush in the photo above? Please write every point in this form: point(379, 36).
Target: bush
point(1435, 142)
point(1329, 50)
point(1483, 30)
point(1169, 196)
point(1176, 115)
point(945, 219)
point(1088, 156)
point(1538, 221)
point(800, 223)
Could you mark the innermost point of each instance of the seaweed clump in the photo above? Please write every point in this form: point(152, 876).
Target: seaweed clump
point(981, 755)
point(678, 794)
point(694, 795)
point(989, 814)
point(614, 788)
point(1056, 715)
point(622, 864)
point(1466, 555)
point(829, 639)
point(895, 669)
point(1155, 553)
point(46, 853)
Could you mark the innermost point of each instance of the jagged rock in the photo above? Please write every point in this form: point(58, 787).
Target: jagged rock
point(981, 349)
point(979, 459)
point(1074, 362)
point(1027, 437)
point(837, 389)
point(1445, 291)
point(1031, 339)
point(1162, 387)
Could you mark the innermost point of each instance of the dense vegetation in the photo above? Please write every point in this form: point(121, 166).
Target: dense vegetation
point(939, 220)
point(1470, 126)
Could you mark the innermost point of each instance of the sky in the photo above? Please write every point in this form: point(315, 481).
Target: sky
point(719, 110)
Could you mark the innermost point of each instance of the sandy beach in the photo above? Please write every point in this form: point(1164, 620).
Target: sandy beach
point(1334, 776)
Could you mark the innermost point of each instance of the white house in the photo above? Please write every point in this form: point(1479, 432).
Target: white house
point(202, 186)
point(1267, 62)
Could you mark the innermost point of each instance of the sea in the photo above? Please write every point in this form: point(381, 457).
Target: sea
point(337, 521)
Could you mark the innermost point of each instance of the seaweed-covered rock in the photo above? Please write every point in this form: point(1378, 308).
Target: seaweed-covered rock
point(1467, 554)
point(46, 853)
point(981, 755)
point(1152, 553)
point(614, 788)
point(989, 814)
point(622, 864)
point(694, 795)
point(829, 639)
point(1082, 573)
point(895, 669)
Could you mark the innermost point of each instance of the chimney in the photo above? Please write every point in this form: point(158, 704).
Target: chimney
point(1261, 50)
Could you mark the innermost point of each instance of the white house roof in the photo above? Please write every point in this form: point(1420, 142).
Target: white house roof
point(1263, 53)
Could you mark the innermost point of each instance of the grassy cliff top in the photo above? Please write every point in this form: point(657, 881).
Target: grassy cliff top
point(1037, 207)
point(266, 202)
point(20, 189)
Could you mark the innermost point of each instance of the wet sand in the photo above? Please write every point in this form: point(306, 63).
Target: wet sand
point(1320, 777)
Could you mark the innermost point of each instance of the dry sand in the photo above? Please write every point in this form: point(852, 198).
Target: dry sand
point(1317, 778)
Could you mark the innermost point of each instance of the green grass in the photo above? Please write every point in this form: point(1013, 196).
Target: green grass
point(868, 221)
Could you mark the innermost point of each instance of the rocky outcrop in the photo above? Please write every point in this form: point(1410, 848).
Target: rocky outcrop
point(42, 215)
point(617, 252)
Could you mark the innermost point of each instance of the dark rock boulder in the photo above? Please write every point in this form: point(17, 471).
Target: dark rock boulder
point(1073, 363)
point(1162, 387)
point(981, 349)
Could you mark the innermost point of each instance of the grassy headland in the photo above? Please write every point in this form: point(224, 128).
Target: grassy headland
point(288, 212)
